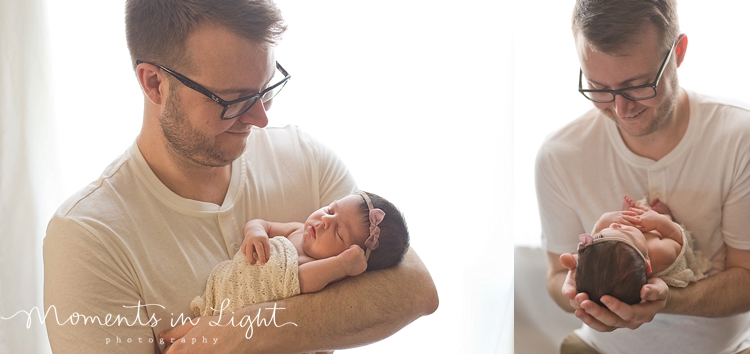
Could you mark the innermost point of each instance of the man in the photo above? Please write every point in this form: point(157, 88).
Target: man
point(647, 136)
point(125, 256)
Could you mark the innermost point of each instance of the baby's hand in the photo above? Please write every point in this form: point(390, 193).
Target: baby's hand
point(255, 246)
point(647, 219)
point(353, 260)
point(620, 217)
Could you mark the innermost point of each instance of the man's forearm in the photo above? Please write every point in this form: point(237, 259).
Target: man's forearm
point(350, 313)
point(723, 294)
point(554, 288)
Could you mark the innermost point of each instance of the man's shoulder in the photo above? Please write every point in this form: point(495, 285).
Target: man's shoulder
point(571, 139)
point(98, 196)
point(720, 117)
point(703, 100)
point(728, 110)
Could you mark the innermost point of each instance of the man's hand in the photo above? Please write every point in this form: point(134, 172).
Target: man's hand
point(570, 261)
point(617, 314)
point(174, 335)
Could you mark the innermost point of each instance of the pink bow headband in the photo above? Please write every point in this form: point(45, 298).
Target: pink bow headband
point(375, 216)
point(588, 240)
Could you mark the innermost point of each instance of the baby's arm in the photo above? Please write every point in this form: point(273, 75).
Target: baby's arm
point(257, 232)
point(315, 275)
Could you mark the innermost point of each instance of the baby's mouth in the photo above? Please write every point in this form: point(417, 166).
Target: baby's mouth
point(313, 232)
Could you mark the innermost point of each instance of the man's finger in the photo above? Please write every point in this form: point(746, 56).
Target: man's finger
point(603, 314)
point(592, 322)
point(569, 260)
point(655, 290)
point(176, 332)
point(632, 315)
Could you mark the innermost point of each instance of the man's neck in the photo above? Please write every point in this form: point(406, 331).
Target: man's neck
point(661, 142)
point(184, 177)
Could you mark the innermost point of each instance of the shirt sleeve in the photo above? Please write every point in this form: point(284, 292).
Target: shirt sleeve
point(735, 220)
point(560, 221)
point(86, 289)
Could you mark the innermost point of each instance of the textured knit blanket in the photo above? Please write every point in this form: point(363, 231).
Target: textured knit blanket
point(244, 284)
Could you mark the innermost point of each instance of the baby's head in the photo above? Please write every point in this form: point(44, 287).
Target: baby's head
point(363, 219)
point(614, 262)
point(388, 248)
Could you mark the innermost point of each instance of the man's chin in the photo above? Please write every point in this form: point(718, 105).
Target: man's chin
point(631, 126)
point(220, 158)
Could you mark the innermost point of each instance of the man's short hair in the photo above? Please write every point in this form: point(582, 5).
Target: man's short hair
point(610, 25)
point(157, 30)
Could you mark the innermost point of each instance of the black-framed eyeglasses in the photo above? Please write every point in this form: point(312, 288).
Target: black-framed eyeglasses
point(233, 108)
point(635, 93)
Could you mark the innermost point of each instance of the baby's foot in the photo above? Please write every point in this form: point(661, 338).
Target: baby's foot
point(661, 208)
point(627, 203)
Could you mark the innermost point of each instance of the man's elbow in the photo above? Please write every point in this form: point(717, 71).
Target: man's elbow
point(431, 301)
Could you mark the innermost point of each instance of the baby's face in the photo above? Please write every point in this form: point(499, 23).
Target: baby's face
point(330, 230)
point(629, 233)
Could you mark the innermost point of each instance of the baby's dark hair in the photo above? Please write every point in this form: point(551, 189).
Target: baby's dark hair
point(394, 235)
point(611, 268)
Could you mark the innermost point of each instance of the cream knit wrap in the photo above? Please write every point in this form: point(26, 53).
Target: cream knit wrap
point(246, 284)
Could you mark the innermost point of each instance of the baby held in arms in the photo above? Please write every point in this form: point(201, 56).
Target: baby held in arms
point(359, 232)
point(630, 246)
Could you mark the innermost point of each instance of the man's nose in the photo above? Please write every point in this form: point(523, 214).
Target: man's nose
point(256, 115)
point(622, 105)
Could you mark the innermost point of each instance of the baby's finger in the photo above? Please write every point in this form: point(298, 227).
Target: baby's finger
point(250, 253)
point(632, 219)
point(261, 251)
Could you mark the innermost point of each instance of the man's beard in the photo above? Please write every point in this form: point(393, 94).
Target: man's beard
point(660, 117)
point(188, 142)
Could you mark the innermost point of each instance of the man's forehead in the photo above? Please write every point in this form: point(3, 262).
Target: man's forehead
point(585, 48)
point(217, 44)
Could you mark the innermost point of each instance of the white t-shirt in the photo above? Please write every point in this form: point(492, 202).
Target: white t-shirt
point(127, 238)
point(585, 169)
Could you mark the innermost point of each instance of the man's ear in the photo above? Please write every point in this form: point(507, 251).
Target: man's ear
point(151, 79)
point(681, 48)
point(648, 267)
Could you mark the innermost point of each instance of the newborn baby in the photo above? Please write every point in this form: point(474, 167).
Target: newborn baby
point(359, 232)
point(630, 246)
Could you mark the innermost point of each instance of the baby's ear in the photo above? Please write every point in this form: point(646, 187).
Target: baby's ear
point(648, 267)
